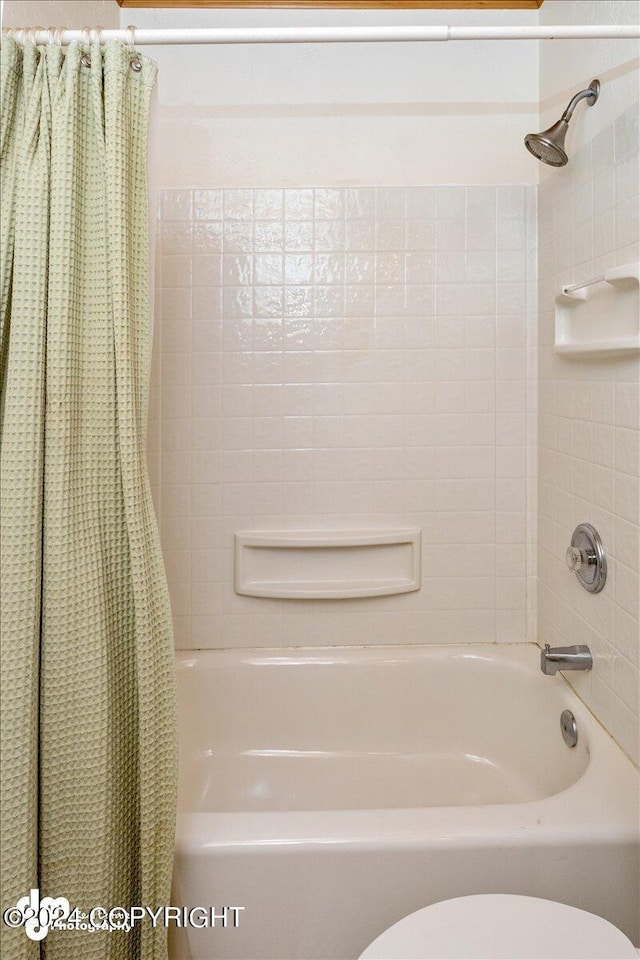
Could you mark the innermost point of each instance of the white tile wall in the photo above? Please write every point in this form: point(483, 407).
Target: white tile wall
point(346, 358)
point(589, 429)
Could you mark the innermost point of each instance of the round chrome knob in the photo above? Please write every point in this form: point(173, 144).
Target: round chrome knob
point(574, 558)
point(586, 558)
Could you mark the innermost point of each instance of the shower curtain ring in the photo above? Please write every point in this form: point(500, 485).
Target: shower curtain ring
point(136, 62)
point(31, 34)
point(96, 37)
point(85, 59)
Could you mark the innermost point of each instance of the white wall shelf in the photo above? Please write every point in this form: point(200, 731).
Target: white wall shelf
point(327, 564)
point(601, 315)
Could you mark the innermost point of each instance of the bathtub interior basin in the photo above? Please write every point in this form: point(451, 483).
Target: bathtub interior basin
point(324, 730)
point(332, 792)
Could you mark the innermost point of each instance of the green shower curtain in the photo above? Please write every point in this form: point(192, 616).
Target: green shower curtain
point(88, 707)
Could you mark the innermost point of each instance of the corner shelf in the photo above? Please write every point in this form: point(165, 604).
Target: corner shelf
point(327, 564)
point(600, 315)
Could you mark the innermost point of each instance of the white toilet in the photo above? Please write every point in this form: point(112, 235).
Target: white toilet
point(501, 927)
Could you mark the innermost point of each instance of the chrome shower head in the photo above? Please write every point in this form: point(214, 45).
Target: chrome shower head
point(548, 146)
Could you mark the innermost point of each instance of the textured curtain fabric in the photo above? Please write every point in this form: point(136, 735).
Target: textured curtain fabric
point(88, 705)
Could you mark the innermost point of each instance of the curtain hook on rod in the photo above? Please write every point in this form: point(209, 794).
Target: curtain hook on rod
point(85, 59)
point(96, 37)
point(136, 62)
point(31, 34)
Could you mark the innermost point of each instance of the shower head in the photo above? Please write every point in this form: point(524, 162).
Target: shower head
point(548, 146)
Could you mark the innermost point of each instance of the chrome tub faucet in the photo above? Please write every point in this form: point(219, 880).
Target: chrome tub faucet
point(576, 657)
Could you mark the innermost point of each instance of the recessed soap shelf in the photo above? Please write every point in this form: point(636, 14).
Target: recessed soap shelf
point(327, 564)
point(600, 315)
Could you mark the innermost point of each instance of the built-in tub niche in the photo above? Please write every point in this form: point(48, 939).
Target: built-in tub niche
point(330, 564)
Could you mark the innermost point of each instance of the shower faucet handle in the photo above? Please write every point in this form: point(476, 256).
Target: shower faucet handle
point(574, 558)
point(586, 558)
point(577, 558)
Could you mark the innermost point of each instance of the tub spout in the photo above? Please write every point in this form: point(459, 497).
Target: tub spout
point(576, 657)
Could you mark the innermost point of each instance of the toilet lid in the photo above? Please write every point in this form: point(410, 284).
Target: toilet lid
point(501, 927)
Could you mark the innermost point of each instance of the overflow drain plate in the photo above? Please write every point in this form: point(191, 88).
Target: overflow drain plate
point(569, 728)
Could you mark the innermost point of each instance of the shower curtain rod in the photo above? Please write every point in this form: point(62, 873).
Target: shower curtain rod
point(150, 37)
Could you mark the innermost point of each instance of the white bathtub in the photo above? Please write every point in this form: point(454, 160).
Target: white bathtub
point(331, 792)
